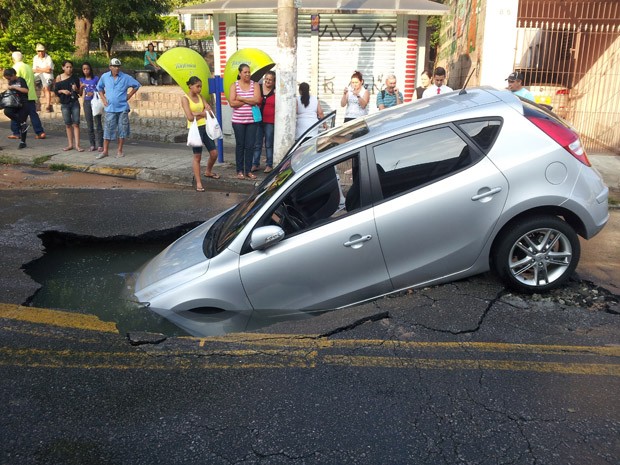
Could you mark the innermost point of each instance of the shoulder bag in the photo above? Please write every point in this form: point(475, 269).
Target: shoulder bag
point(10, 99)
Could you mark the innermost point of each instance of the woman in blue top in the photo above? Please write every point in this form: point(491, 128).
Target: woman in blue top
point(88, 87)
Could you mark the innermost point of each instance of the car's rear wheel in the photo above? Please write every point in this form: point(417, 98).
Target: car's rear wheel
point(537, 255)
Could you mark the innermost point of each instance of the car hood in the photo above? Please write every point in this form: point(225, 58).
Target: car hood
point(186, 252)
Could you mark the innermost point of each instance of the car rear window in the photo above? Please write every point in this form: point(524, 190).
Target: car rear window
point(483, 132)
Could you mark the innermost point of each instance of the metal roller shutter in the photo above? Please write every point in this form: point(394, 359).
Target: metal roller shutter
point(366, 43)
point(260, 31)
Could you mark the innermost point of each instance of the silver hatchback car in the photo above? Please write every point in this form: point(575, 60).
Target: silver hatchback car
point(420, 194)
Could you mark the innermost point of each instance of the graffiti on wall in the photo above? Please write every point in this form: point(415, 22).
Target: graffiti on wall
point(382, 32)
point(374, 84)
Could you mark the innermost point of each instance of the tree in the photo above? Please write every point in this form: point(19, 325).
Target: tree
point(24, 23)
point(83, 23)
point(121, 17)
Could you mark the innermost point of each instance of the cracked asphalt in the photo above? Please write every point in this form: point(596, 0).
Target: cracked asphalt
point(463, 373)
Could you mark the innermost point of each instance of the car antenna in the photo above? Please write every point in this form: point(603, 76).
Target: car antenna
point(463, 91)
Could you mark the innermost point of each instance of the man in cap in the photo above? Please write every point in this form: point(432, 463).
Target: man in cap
point(515, 84)
point(43, 68)
point(24, 71)
point(438, 87)
point(113, 87)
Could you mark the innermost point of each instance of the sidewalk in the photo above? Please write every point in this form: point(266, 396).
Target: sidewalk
point(159, 162)
point(172, 163)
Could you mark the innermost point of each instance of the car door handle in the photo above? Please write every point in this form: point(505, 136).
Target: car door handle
point(486, 193)
point(357, 241)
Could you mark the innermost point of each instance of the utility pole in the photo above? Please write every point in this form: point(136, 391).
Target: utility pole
point(286, 78)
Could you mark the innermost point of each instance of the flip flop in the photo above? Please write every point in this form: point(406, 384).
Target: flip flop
point(212, 175)
point(240, 176)
point(80, 150)
point(251, 176)
point(66, 149)
point(120, 155)
point(200, 189)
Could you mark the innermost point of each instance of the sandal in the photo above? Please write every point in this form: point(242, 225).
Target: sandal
point(66, 149)
point(80, 149)
point(251, 176)
point(200, 189)
point(212, 175)
point(240, 175)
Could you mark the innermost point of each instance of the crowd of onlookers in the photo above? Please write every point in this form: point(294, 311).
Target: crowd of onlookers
point(253, 107)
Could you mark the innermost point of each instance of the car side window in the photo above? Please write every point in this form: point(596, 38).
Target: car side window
point(329, 193)
point(482, 133)
point(418, 159)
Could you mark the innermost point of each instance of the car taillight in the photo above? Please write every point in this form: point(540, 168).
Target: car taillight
point(563, 135)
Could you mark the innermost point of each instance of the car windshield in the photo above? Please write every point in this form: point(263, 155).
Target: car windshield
point(226, 228)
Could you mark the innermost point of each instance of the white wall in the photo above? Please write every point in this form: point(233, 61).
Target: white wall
point(500, 36)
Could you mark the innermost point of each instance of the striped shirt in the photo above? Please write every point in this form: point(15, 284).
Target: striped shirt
point(243, 114)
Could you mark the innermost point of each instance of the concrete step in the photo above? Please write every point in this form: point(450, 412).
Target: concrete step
point(156, 115)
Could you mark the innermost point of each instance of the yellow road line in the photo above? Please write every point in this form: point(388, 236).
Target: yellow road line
point(315, 341)
point(276, 359)
point(56, 318)
point(596, 369)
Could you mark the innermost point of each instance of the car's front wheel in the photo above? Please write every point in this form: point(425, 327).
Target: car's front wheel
point(537, 255)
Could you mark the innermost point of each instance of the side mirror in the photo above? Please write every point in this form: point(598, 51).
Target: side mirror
point(265, 237)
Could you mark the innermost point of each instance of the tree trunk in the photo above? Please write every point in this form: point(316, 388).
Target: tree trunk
point(83, 27)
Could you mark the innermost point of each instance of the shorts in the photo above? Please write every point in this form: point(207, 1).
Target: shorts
point(71, 113)
point(46, 79)
point(116, 125)
point(209, 144)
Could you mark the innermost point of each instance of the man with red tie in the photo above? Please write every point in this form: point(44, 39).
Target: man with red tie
point(437, 88)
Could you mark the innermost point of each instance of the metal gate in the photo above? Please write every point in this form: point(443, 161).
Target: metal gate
point(569, 53)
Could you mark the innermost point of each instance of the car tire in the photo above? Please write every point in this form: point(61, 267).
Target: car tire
point(537, 255)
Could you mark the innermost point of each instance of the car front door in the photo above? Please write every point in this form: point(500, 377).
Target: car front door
point(441, 199)
point(330, 255)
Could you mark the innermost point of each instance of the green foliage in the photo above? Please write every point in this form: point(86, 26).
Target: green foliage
point(100, 60)
point(117, 17)
point(23, 24)
point(59, 167)
point(6, 160)
point(38, 161)
point(171, 25)
point(433, 23)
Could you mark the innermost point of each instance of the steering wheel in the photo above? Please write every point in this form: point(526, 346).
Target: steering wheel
point(292, 216)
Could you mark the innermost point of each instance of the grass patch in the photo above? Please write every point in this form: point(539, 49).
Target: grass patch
point(6, 160)
point(59, 167)
point(40, 160)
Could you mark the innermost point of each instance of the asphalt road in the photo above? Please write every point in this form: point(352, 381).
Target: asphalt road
point(459, 373)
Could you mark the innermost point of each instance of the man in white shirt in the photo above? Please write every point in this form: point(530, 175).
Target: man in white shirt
point(43, 68)
point(437, 88)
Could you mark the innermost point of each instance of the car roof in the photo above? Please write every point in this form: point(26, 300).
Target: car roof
point(413, 115)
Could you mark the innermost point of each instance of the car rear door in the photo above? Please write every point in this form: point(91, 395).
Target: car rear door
point(335, 259)
point(439, 199)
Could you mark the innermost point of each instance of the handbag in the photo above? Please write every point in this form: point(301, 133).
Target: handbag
point(96, 104)
point(10, 99)
point(193, 135)
point(214, 131)
point(256, 114)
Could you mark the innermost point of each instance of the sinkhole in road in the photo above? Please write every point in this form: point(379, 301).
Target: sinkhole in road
point(85, 274)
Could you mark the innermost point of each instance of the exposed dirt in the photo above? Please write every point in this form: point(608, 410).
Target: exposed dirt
point(25, 177)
